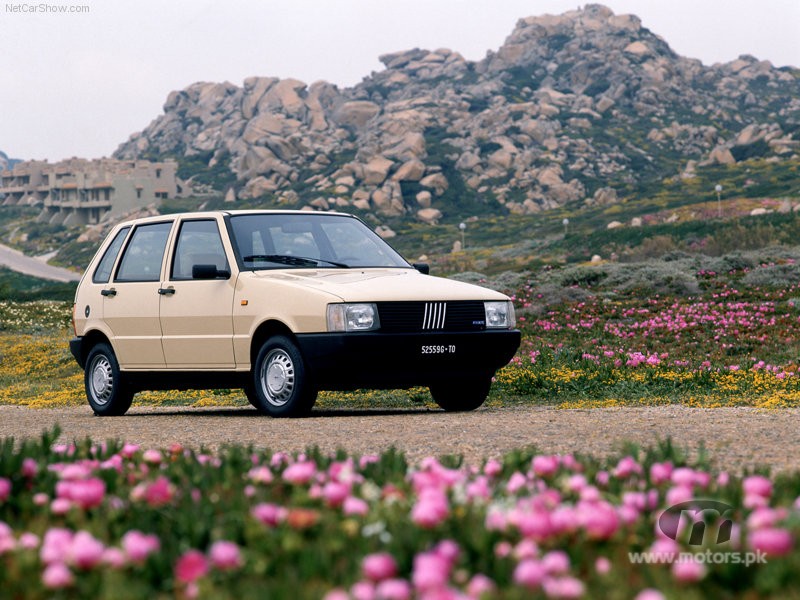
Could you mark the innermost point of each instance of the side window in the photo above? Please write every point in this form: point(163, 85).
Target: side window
point(199, 243)
point(144, 254)
point(103, 271)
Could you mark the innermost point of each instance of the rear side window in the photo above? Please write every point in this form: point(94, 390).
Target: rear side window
point(199, 243)
point(145, 253)
point(103, 271)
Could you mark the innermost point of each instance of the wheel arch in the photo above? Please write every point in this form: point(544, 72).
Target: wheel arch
point(265, 331)
point(90, 340)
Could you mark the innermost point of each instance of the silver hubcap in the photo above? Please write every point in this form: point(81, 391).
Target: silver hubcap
point(102, 379)
point(278, 377)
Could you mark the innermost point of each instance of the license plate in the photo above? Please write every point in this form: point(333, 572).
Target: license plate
point(438, 349)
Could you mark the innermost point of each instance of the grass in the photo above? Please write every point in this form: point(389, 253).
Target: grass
point(613, 335)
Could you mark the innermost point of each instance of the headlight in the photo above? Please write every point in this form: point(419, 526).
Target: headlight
point(500, 315)
point(352, 317)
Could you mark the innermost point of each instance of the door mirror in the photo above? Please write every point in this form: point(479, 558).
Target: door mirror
point(209, 272)
point(423, 268)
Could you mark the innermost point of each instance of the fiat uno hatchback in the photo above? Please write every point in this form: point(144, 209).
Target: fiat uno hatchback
point(281, 304)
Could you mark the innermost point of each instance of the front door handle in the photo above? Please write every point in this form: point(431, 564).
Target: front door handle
point(166, 291)
point(109, 292)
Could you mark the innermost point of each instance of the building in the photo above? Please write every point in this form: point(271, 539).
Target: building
point(81, 192)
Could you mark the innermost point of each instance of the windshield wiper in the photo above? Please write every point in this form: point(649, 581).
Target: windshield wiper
point(297, 261)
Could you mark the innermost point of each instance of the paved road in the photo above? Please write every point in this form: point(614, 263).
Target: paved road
point(17, 261)
point(735, 438)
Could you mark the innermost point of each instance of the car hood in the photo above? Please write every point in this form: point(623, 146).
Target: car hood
point(380, 285)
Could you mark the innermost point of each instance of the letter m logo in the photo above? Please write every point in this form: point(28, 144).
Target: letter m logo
point(700, 513)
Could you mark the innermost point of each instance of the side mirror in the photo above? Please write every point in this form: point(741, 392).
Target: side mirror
point(209, 272)
point(423, 268)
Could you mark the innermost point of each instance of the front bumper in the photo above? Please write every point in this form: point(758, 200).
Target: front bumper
point(389, 360)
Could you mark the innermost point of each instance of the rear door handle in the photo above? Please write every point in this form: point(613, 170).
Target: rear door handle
point(166, 291)
point(109, 292)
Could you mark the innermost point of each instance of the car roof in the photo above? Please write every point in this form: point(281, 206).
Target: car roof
point(215, 213)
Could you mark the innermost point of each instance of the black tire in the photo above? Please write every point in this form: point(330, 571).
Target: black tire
point(462, 396)
point(280, 387)
point(106, 388)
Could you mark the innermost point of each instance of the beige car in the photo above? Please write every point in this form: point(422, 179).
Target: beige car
point(281, 304)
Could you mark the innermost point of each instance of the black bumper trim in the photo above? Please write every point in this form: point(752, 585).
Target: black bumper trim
point(388, 360)
point(75, 346)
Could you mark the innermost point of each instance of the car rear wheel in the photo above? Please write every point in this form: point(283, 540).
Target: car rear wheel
point(279, 386)
point(463, 395)
point(106, 389)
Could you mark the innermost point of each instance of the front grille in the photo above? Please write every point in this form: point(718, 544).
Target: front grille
point(432, 316)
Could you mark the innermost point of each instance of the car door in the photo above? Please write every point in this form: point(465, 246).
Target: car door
point(131, 298)
point(196, 307)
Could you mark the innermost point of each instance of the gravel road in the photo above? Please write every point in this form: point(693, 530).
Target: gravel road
point(735, 438)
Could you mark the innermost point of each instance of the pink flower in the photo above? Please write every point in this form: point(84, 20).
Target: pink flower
point(335, 493)
point(480, 586)
point(688, 571)
point(337, 594)
point(269, 514)
point(86, 551)
point(56, 546)
point(493, 468)
point(516, 482)
point(529, 573)
point(660, 472)
point(191, 566)
point(430, 509)
point(626, 467)
point(160, 492)
point(602, 565)
point(29, 541)
point(300, 472)
point(544, 466)
point(431, 571)
point(86, 493)
point(225, 556)
point(379, 566)
point(29, 468)
point(60, 506)
point(355, 506)
point(773, 541)
point(363, 590)
point(757, 485)
point(57, 576)
point(138, 546)
point(114, 558)
point(563, 587)
point(129, 450)
point(600, 520)
point(261, 474)
point(556, 562)
point(650, 594)
point(154, 457)
point(5, 489)
point(393, 589)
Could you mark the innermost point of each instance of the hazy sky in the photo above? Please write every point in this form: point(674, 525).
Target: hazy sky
point(79, 83)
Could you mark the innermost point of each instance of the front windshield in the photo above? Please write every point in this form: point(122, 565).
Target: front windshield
point(313, 240)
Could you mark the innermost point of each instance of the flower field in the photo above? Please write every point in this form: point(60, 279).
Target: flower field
point(103, 520)
point(114, 520)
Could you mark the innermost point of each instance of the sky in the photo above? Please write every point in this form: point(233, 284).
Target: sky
point(80, 76)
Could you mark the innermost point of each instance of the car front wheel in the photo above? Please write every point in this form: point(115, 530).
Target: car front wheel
point(106, 389)
point(462, 396)
point(280, 387)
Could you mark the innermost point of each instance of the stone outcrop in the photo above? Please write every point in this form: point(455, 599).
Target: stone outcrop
point(569, 106)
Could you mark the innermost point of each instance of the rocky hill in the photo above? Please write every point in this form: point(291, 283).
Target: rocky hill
point(587, 107)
